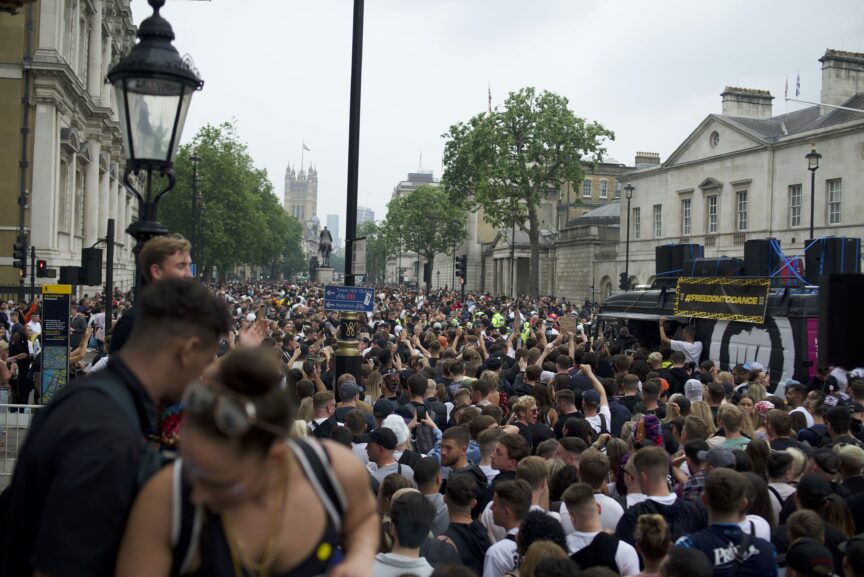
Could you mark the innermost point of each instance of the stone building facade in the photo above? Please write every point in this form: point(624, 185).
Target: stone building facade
point(742, 174)
point(72, 181)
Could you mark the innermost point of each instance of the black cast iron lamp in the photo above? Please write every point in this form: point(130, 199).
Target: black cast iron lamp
point(153, 87)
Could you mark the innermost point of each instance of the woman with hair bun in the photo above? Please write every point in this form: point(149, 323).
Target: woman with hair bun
point(652, 543)
point(243, 499)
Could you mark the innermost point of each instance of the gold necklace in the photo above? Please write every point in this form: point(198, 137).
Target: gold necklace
point(278, 518)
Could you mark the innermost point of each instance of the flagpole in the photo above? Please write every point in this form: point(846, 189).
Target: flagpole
point(826, 105)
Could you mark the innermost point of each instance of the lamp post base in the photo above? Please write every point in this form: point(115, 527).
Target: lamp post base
point(347, 352)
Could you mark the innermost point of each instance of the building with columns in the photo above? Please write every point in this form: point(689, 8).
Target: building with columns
point(742, 174)
point(67, 122)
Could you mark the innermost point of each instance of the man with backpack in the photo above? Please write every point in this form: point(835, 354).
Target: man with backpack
point(733, 552)
point(651, 468)
point(87, 455)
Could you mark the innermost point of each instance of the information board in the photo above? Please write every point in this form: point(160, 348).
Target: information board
point(55, 339)
point(349, 298)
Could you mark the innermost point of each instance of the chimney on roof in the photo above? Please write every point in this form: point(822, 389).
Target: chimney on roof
point(842, 77)
point(646, 159)
point(746, 102)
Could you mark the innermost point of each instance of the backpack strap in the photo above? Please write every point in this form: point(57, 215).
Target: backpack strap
point(187, 521)
point(742, 550)
point(776, 494)
point(603, 428)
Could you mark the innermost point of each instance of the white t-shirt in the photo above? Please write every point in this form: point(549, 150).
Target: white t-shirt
point(784, 490)
point(760, 525)
point(489, 472)
point(806, 413)
point(501, 557)
point(595, 420)
point(393, 565)
point(610, 513)
point(625, 557)
point(497, 532)
point(692, 351)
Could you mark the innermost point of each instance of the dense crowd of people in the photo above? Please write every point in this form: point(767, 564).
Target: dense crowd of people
point(483, 437)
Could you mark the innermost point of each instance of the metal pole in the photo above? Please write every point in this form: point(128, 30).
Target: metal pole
point(32, 274)
point(194, 240)
point(513, 254)
point(347, 353)
point(109, 276)
point(627, 250)
point(353, 141)
point(812, 199)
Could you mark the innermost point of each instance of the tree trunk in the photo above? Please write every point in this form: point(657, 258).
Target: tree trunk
point(430, 258)
point(534, 238)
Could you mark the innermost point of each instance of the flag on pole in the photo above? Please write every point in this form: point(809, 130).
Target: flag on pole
point(786, 92)
point(306, 147)
point(490, 99)
point(798, 85)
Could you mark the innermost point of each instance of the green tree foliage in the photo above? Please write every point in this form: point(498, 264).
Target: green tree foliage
point(427, 222)
point(509, 160)
point(377, 249)
point(242, 221)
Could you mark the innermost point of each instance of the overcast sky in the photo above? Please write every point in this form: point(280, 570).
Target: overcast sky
point(650, 71)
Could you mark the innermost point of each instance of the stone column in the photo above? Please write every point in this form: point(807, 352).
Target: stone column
point(94, 63)
point(46, 166)
point(107, 54)
point(91, 195)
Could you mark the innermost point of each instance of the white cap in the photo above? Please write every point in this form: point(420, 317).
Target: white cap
point(250, 317)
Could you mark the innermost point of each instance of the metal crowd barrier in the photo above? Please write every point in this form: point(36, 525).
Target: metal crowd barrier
point(14, 427)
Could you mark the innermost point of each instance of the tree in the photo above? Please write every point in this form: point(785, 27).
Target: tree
point(427, 222)
point(377, 249)
point(507, 161)
point(242, 221)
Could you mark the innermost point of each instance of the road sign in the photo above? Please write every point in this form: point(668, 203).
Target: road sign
point(194, 269)
point(349, 298)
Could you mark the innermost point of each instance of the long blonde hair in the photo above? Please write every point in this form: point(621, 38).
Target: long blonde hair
point(701, 410)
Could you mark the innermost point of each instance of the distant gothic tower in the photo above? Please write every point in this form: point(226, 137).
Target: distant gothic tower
point(301, 193)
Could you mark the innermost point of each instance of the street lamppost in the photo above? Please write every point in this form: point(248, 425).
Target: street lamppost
point(153, 88)
point(628, 194)
point(196, 210)
point(812, 165)
point(513, 252)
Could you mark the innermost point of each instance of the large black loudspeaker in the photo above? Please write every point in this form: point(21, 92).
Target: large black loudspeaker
point(832, 255)
point(91, 267)
point(69, 275)
point(717, 266)
point(760, 259)
point(670, 259)
point(841, 315)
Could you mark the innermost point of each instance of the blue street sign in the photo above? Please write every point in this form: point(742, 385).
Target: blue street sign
point(194, 268)
point(349, 298)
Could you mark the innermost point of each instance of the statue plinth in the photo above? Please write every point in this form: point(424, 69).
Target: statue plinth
point(324, 275)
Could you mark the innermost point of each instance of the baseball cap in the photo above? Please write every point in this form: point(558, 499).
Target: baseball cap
point(754, 366)
point(348, 390)
point(827, 460)
point(382, 408)
point(693, 389)
point(809, 557)
point(851, 456)
point(591, 397)
point(813, 491)
point(384, 437)
point(494, 363)
point(854, 551)
point(547, 376)
point(718, 458)
point(397, 424)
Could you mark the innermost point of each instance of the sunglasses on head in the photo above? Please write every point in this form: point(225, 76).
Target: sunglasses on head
point(233, 413)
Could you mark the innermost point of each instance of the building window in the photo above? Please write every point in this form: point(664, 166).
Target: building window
point(741, 210)
point(604, 189)
point(711, 211)
point(685, 216)
point(658, 220)
point(833, 196)
point(795, 205)
point(586, 188)
point(617, 190)
point(637, 217)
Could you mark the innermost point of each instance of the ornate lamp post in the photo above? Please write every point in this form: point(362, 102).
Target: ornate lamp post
point(153, 88)
point(812, 165)
point(628, 193)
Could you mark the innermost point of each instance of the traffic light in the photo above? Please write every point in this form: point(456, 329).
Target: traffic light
point(624, 284)
point(461, 266)
point(41, 268)
point(19, 255)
